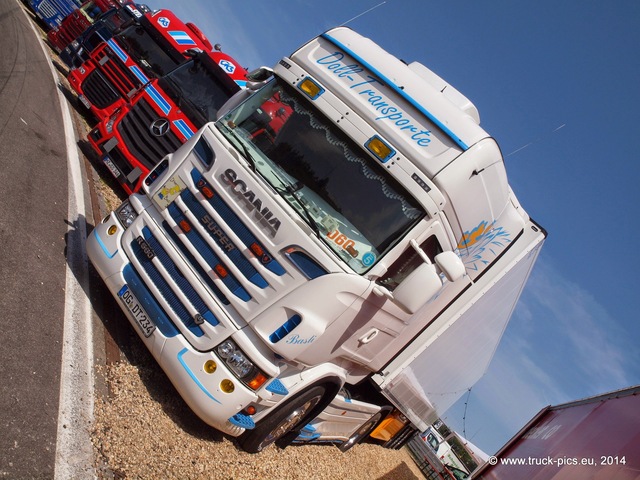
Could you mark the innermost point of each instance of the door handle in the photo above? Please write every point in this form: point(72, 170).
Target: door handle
point(370, 335)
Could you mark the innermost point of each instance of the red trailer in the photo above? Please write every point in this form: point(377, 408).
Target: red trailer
point(596, 438)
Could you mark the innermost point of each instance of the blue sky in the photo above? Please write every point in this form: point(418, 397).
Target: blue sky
point(556, 83)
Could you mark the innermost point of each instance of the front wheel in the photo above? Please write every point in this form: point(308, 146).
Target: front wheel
point(293, 413)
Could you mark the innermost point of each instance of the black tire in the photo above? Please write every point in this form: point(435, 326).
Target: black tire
point(297, 411)
point(362, 432)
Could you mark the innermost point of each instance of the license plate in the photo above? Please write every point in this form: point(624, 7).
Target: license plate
point(84, 101)
point(111, 166)
point(139, 315)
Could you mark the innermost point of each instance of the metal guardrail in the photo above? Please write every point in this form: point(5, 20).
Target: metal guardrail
point(427, 461)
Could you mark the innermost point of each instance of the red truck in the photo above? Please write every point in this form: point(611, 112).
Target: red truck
point(164, 115)
point(77, 22)
point(119, 68)
point(593, 438)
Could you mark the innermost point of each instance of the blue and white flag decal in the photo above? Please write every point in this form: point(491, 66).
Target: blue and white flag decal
point(181, 38)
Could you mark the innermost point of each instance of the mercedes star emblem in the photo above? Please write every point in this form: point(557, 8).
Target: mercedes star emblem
point(159, 127)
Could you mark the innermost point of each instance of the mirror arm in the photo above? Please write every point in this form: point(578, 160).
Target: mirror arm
point(419, 251)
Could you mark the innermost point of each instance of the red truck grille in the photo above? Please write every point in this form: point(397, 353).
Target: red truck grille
point(135, 130)
point(111, 80)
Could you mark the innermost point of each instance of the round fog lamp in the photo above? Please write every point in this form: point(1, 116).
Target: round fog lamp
point(227, 386)
point(112, 229)
point(210, 366)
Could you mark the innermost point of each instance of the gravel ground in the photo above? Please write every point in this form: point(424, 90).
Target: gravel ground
point(143, 430)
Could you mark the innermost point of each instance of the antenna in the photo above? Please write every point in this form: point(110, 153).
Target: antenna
point(536, 140)
point(364, 13)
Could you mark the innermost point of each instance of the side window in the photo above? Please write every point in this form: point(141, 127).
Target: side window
point(408, 261)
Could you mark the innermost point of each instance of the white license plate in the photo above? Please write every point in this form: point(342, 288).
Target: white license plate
point(84, 101)
point(111, 166)
point(139, 315)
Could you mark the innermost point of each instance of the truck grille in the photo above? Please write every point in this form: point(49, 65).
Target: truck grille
point(141, 143)
point(110, 81)
point(193, 312)
point(47, 10)
point(225, 247)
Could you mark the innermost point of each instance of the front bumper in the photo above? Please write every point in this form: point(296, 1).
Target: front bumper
point(205, 391)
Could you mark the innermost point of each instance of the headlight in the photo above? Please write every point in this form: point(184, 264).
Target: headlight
point(240, 365)
point(126, 214)
point(75, 44)
point(109, 125)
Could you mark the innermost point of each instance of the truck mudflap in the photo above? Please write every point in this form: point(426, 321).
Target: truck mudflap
point(341, 421)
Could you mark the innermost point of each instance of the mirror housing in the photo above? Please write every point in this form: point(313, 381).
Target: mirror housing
point(424, 282)
point(451, 265)
point(258, 77)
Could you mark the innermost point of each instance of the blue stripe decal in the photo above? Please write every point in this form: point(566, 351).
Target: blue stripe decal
point(103, 246)
point(181, 38)
point(241, 83)
point(184, 128)
point(138, 73)
point(159, 99)
point(117, 50)
point(400, 92)
point(193, 377)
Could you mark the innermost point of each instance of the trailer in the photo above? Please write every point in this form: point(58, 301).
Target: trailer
point(593, 438)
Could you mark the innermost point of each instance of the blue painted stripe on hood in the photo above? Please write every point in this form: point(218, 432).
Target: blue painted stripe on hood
point(138, 73)
point(117, 50)
point(184, 128)
point(159, 99)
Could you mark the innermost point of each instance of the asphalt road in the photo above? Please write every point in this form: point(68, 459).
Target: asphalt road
point(34, 240)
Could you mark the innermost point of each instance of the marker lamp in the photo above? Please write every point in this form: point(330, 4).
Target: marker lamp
point(126, 214)
point(311, 88)
point(240, 365)
point(380, 149)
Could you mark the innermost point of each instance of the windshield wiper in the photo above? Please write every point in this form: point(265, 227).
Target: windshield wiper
point(292, 190)
point(239, 142)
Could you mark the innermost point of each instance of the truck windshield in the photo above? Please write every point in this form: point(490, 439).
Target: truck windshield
point(115, 19)
point(149, 51)
point(103, 29)
point(199, 87)
point(348, 199)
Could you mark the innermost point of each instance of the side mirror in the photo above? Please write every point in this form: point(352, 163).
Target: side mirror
point(258, 77)
point(418, 288)
point(451, 265)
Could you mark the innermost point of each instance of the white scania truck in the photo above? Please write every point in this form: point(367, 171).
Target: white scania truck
point(339, 252)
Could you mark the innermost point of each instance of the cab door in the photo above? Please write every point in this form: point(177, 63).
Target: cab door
point(376, 329)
